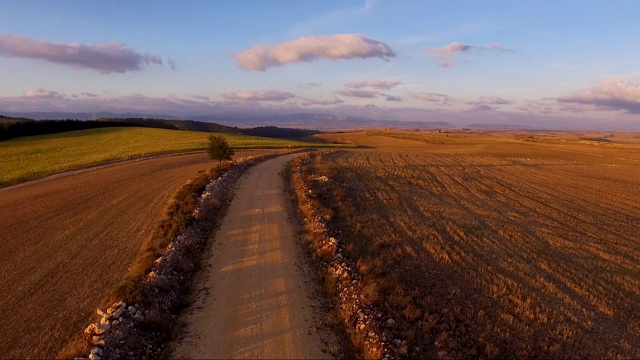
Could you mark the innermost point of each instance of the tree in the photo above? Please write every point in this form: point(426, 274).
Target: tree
point(219, 149)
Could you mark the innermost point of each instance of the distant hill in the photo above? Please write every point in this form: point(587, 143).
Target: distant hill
point(319, 121)
point(499, 126)
point(56, 115)
point(11, 127)
point(11, 119)
point(250, 120)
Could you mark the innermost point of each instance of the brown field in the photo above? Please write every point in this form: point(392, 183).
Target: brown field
point(502, 245)
point(66, 241)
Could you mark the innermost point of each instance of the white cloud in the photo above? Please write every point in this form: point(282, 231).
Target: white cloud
point(43, 94)
point(608, 95)
point(374, 84)
point(265, 95)
point(432, 97)
point(445, 56)
point(108, 58)
point(306, 49)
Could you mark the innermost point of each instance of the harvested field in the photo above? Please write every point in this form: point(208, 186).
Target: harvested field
point(494, 246)
point(67, 241)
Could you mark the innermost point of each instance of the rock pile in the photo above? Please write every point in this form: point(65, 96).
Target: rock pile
point(141, 330)
point(369, 325)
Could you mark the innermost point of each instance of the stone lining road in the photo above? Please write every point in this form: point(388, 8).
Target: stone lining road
point(256, 303)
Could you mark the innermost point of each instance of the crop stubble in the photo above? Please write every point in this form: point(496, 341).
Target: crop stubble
point(508, 248)
point(66, 241)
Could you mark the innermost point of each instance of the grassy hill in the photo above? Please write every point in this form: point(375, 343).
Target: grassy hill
point(31, 157)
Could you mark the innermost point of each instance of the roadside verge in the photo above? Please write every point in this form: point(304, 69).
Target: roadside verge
point(142, 314)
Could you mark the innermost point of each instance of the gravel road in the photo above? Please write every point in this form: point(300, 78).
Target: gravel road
point(255, 302)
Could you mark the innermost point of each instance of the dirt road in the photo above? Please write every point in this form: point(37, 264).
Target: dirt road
point(256, 303)
point(67, 240)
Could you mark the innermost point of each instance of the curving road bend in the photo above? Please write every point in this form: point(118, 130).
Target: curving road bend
point(256, 303)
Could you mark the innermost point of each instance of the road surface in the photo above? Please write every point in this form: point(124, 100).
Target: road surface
point(256, 303)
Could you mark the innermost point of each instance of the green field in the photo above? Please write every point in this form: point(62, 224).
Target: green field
point(36, 156)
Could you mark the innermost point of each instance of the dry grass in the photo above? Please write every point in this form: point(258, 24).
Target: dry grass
point(494, 246)
point(177, 216)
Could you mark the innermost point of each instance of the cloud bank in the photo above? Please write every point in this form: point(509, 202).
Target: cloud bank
point(491, 100)
point(374, 84)
point(357, 93)
point(309, 48)
point(311, 102)
point(266, 95)
point(108, 58)
point(609, 95)
point(445, 56)
point(43, 94)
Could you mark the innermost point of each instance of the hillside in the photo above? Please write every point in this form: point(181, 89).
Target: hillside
point(36, 156)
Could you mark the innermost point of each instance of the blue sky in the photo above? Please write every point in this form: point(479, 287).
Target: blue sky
point(540, 63)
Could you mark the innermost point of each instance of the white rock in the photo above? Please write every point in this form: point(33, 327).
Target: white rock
point(90, 329)
point(96, 350)
point(442, 353)
point(131, 309)
point(94, 357)
point(398, 342)
point(97, 341)
point(115, 323)
point(391, 322)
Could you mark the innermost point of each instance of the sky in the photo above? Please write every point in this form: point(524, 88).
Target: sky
point(544, 64)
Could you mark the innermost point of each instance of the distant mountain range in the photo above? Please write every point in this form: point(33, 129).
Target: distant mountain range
point(499, 126)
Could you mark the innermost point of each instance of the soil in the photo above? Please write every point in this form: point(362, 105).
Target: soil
point(256, 297)
point(67, 240)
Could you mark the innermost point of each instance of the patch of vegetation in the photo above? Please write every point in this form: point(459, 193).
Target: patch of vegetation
point(36, 156)
point(598, 139)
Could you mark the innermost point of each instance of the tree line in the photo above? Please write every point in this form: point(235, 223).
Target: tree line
point(27, 127)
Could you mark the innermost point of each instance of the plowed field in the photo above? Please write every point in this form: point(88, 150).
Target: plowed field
point(488, 246)
point(66, 241)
